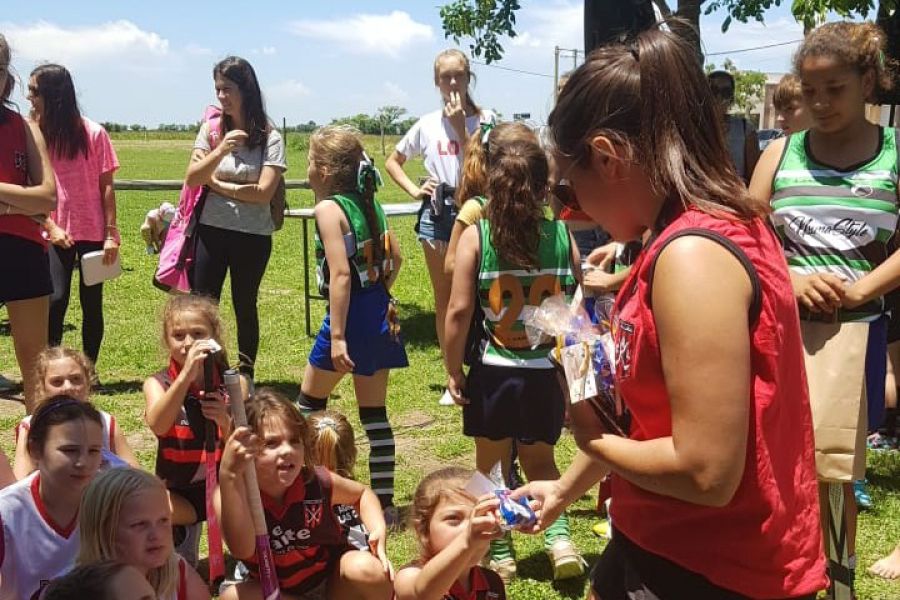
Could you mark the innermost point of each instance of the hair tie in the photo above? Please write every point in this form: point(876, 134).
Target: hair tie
point(326, 423)
point(54, 404)
point(634, 50)
point(486, 128)
point(367, 167)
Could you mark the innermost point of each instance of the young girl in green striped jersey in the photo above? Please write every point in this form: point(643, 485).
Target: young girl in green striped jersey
point(512, 259)
point(833, 194)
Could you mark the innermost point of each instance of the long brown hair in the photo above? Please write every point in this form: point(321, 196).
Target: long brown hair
point(517, 184)
point(651, 97)
point(6, 57)
point(857, 45)
point(60, 121)
point(256, 122)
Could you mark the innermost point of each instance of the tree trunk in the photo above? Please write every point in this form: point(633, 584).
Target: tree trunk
point(689, 10)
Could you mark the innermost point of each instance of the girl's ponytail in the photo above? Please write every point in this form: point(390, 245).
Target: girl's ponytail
point(473, 181)
point(368, 181)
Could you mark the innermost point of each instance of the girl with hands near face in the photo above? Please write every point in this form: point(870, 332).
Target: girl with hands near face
point(298, 498)
point(454, 531)
point(178, 408)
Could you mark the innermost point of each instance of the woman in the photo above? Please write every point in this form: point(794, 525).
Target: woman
point(714, 489)
point(242, 172)
point(27, 195)
point(440, 137)
point(740, 135)
point(85, 217)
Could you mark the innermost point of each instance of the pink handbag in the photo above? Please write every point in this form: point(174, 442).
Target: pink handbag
point(176, 257)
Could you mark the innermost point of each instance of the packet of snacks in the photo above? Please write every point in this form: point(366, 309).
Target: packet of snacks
point(514, 514)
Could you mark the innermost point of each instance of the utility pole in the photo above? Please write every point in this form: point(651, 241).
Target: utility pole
point(557, 52)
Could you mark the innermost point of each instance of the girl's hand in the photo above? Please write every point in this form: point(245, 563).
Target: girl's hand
point(484, 523)
point(214, 408)
point(456, 385)
point(602, 256)
point(193, 362)
point(427, 189)
point(548, 502)
point(110, 251)
point(377, 546)
point(600, 282)
point(340, 357)
point(59, 236)
point(231, 141)
point(240, 449)
point(818, 292)
point(456, 114)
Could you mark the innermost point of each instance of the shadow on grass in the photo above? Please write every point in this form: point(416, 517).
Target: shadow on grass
point(113, 388)
point(537, 567)
point(417, 327)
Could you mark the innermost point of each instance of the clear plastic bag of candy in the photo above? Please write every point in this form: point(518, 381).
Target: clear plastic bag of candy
point(514, 514)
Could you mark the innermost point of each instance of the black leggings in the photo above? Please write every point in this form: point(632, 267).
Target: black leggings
point(245, 255)
point(62, 263)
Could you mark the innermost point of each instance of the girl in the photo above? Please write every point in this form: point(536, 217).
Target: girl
point(106, 580)
point(178, 408)
point(62, 370)
point(125, 516)
point(359, 259)
point(787, 100)
point(27, 195)
point(833, 191)
point(440, 137)
point(243, 172)
point(39, 514)
point(453, 531)
point(308, 545)
point(85, 217)
point(334, 447)
point(713, 490)
point(512, 392)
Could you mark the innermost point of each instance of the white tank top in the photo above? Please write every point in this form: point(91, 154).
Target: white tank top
point(33, 550)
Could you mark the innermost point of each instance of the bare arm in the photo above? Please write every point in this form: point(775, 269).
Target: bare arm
point(705, 348)
point(260, 192)
point(7, 476)
point(396, 260)
point(764, 172)
point(196, 587)
point(231, 496)
point(23, 465)
point(39, 198)
point(462, 301)
point(450, 258)
point(329, 218)
point(394, 165)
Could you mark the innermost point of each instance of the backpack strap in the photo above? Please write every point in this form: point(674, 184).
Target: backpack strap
point(756, 301)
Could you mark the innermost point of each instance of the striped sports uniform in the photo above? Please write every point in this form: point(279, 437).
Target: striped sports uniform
point(304, 534)
point(484, 584)
point(181, 455)
point(512, 387)
point(34, 549)
point(367, 331)
point(842, 221)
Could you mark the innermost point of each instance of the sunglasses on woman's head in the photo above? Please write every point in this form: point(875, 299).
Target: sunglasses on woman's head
point(565, 193)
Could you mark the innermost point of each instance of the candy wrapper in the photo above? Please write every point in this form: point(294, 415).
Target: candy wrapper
point(514, 514)
point(584, 353)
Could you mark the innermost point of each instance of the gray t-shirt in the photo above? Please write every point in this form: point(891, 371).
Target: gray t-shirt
point(242, 166)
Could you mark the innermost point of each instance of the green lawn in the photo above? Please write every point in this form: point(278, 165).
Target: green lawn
point(428, 436)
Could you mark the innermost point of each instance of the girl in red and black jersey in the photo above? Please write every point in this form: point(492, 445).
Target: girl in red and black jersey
point(453, 531)
point(178, 408)
point(310, 551)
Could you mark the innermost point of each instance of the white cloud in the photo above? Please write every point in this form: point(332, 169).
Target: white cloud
point(196, 50)
point(559, 24)
point(117, 41)
point(269, 50)
point(389, 34)
point(287, 90)
point(394, 93)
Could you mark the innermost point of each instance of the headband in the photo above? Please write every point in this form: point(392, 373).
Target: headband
point(53, 405)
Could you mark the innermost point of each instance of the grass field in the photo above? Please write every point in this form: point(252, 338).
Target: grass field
point(428, 436)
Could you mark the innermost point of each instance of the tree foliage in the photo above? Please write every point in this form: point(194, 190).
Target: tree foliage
point(484, 21)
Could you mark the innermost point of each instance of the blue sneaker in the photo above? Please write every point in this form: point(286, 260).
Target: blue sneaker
point(863, 499)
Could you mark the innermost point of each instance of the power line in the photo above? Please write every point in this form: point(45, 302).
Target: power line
point(478, 62)
point(753, 48)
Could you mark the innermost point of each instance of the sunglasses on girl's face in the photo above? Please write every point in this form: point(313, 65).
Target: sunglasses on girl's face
point(565, 193)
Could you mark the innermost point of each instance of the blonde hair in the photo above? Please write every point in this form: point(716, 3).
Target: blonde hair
point(48, 355)
point(99, 515)
point(333, 444)
point(435, 487)
point(204, 305)
point(461, 56)
point(857, 45)
point(787, 93)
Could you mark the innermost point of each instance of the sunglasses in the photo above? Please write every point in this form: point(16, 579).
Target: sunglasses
point(565, 193)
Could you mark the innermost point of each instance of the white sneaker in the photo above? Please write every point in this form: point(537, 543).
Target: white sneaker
point(446, 399)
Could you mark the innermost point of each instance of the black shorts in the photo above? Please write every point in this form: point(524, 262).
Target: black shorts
point(195, 494)
point(24, 269)
point(526, 405)
point(892, 303)
point(625, 571)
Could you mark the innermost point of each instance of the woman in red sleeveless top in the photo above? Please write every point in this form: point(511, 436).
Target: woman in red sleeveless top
point(27, 194)
point(714, 490)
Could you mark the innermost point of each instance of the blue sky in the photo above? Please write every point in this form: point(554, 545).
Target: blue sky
point(151, 62)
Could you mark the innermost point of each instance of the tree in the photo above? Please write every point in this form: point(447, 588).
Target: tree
point(485, 21)
point(749, 86)
point(387, 117)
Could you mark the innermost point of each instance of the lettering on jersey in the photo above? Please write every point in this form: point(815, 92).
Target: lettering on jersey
point(624, 349)
point(848, 228)
point(345, 514)
point(312, 513)
point(284, 540)
point(450, 149)
point(21, 161)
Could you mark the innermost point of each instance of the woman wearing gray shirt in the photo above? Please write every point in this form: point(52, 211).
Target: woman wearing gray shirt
point(242, 172)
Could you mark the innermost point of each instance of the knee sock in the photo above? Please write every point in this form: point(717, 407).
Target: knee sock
point(558, 530)
point(310, 404)
point(381, 452)
point(502, 548)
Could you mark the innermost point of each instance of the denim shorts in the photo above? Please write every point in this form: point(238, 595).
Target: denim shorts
point(439, 229)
